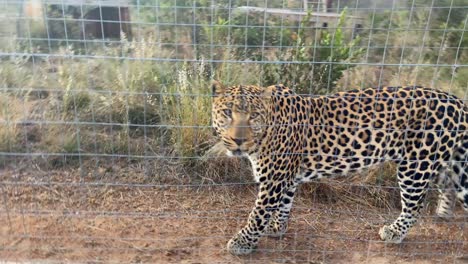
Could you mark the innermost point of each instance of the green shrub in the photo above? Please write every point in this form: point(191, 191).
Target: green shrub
point(315, 70)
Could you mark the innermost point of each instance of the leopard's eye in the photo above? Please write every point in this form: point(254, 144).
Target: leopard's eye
point(254, 115)
point(227, 112)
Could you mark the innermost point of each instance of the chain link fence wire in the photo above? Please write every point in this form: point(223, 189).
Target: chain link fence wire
point(106, 144)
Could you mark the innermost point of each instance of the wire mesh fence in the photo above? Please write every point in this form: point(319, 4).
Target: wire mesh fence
point(106, 137)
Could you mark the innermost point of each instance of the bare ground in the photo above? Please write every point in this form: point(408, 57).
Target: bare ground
point(64, 216)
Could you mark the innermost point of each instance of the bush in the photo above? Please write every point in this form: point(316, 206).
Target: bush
point(314, 69)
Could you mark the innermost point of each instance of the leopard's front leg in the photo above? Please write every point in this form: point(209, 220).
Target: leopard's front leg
point(267, 203)
point(278, 224)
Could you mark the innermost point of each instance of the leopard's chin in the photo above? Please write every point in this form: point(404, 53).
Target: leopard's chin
point(236, 153)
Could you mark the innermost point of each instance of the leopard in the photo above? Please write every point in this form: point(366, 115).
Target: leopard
point(293, 138)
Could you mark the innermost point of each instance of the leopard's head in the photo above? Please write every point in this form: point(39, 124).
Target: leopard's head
point(239, 115)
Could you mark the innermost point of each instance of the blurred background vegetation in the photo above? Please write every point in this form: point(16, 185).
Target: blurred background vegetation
point(72, 98)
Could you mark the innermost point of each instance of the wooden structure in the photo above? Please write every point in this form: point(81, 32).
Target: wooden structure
point(318, 19)
point(94, 19)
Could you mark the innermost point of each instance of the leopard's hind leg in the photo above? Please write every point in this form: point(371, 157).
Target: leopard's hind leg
point(447, 195)
point(413, 178)
point(460, 175)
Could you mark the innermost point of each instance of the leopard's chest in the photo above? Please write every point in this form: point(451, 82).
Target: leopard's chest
point(255, 167)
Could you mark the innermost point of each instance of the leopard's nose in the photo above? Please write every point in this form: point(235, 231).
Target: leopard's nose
point(239, 141)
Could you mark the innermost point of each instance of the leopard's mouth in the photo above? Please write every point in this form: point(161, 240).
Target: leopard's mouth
point(239, 148)
point(237, 153)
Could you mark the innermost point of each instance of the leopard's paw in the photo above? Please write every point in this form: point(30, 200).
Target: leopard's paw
point(276, 230)
point(390, 235)
point(443, 213)
point(239, 245)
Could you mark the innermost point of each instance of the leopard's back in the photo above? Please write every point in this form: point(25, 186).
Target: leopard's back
point(353, 130)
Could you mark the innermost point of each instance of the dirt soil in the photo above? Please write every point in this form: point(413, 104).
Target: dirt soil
point(60, 216)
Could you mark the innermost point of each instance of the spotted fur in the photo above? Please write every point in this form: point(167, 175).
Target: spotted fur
point(291, 139)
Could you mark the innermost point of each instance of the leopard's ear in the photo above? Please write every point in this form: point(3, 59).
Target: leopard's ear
point(268, 92)
point(217, 88)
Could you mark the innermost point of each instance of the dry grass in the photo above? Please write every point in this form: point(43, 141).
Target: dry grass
point(374, 188)
point(95, 220)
